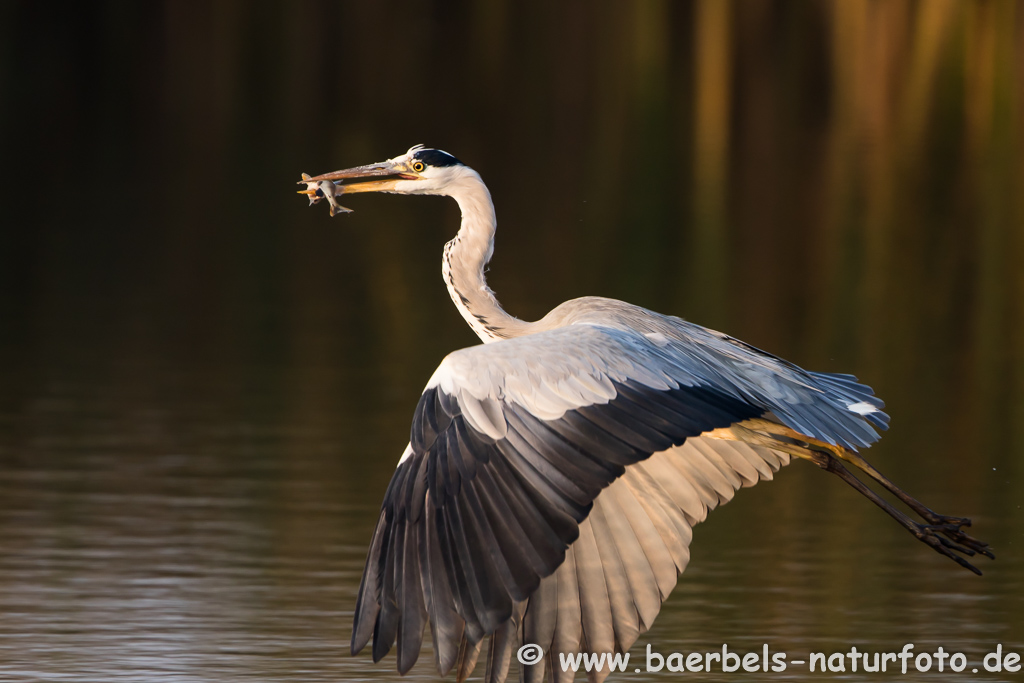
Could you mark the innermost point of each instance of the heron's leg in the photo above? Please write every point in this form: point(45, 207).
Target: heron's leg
point(914, 504)
point(917, 506)
point(762, 432)
point(926, 533)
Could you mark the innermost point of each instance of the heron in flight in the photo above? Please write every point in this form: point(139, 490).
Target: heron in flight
point(554, 473)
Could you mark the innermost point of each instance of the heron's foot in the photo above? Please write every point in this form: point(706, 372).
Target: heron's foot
point(953, 532)
point(929, 534)
point(950, 528)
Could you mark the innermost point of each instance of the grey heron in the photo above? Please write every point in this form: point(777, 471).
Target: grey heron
point(554, 473)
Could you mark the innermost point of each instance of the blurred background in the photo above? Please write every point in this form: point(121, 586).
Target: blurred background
point(205, 385)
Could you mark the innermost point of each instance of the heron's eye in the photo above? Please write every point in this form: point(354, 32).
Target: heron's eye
point(419, 166)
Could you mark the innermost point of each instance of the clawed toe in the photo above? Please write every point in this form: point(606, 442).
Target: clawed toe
point(960, 543)
point(950, 527)
point(974, 544)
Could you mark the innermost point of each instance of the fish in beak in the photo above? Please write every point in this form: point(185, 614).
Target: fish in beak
point(323, 189)
point(372, 178)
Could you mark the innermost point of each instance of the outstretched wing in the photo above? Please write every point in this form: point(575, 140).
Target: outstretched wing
point(512, 442)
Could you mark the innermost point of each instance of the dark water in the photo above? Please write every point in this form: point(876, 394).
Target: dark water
point(204, 386)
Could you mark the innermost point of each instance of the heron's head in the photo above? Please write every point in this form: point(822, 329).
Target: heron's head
point(419, 171)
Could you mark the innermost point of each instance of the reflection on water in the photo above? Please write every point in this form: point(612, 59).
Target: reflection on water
point(204, 387)
point(216, 558)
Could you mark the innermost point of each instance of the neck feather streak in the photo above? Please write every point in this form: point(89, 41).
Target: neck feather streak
point(465, 258)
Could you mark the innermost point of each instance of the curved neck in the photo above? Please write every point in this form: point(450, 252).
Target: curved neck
point(465, 258)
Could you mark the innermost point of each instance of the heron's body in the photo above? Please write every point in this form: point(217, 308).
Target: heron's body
point(554, 474)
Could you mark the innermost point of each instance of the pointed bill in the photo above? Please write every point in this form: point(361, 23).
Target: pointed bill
point(370, 178)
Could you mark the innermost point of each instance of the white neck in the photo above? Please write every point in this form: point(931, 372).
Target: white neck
point(465, 258)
